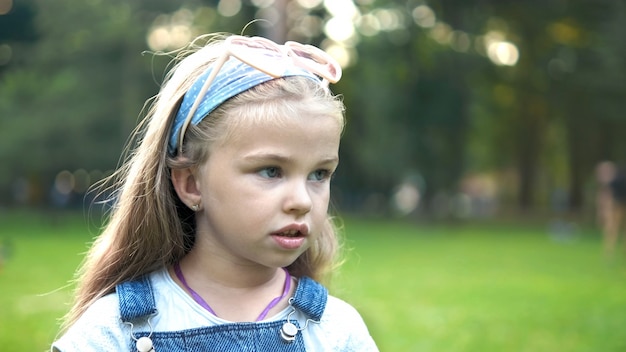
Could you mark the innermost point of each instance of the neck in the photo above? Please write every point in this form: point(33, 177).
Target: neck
point(211, 269)
point(234, 288)
point(243, 294)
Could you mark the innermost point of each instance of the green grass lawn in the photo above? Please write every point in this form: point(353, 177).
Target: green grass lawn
point(476, 287)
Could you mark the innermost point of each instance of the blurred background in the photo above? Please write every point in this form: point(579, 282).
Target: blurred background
point(456, 108)
point(459, 112)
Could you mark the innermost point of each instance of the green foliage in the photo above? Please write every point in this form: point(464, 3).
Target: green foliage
point(478, 287)
point(416, 103)
point(75, 99)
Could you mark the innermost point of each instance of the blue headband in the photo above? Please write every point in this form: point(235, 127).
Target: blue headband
point(234, 77)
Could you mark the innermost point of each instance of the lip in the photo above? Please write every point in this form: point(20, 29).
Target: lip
point(291, 243)
point(303, 229)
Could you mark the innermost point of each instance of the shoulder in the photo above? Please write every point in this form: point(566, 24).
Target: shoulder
point(338, 307)
point(342, 328)
point(340, 314)
point(98, 329)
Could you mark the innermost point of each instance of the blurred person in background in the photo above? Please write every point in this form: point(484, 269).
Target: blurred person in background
point(611, 203)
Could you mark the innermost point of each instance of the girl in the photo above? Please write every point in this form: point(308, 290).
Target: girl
point(220, 229)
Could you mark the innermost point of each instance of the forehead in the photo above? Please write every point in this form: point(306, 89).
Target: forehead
point(281, 120)
point(294, 131)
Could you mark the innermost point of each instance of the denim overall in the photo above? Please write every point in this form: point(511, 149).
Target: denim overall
point(137, 306)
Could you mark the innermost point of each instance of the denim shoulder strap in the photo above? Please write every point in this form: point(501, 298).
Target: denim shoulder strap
point(136, 298)
point(310, 297)
point(136, 301)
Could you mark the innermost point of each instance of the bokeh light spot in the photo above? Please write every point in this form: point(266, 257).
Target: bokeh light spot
point(339, 29)
point(342, 8)
point(262, 3)
point(64, 182)
point(5, 6)
point(424, 16)
point(503, 53)
point(309, 4)
point(368, 25)
point(229, 8)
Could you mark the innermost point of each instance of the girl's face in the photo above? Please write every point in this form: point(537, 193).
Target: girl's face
point(265, 191)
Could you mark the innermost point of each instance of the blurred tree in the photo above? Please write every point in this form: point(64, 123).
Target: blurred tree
point(17, 23)
point(588, 75)
point(16, 28)
point(412, 101)
point(569, 75)
point(407, 113)
point(75, 99)
point(69, 102)
point(425, 93)
point(408, 108)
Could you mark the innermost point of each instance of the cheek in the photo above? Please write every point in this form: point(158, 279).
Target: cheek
point(324, 199)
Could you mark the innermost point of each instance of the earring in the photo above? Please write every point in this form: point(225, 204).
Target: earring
point(195, 207)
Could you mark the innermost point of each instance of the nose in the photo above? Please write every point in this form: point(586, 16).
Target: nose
point(298, 199)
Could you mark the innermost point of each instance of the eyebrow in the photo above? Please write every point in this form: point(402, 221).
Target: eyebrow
point(284, 159)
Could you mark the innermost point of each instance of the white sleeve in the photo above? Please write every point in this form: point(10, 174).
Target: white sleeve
point(99, 329)
point(341, 329)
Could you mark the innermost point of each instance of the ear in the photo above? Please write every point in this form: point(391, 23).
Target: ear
point(187, 186)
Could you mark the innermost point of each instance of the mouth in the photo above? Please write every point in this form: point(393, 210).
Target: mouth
point(292, 237)
point(290, 233)
point(294, 230)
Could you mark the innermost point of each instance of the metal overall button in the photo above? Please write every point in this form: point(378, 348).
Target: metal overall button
point(289, 330)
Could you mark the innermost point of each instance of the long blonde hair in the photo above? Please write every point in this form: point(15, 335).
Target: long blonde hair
point(148, 227)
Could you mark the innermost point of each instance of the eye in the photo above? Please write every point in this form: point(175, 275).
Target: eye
point(320, 175)
point(270, 172)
